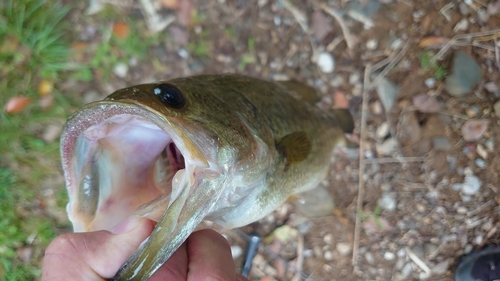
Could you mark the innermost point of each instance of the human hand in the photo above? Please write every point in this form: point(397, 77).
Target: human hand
point(205, 255)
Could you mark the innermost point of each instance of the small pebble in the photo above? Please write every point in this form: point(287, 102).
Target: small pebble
point(407, 269)
point(483, 15)
point(489, 144)
point(471, 185)
point(183, 53)
point(382, 130)
point(468, 248)
point(277, 20)
point(478, 240)
point(496, 107)
point(376, 107)
point(401, 253)
point(387, 92)
point(120, 70)
point(482, 152)
point(369, 258)
point(344, 249)
point(389, 256)
point(387, 147)
point(480, 163)
point(465, 74)
point(354, 78)
point(396, 44)
point(462, 210)
point(328, 239)
point(325, 62)
point(430, 82)
point(461, 25)
point(371, 44)
point(387, 202)
point(328, 256)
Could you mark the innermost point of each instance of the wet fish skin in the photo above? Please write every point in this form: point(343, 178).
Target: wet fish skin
point(255, 143)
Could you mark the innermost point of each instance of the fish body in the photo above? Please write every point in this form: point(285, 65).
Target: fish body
point(225, 148)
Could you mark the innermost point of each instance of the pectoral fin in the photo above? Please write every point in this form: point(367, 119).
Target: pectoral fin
point(294, 147)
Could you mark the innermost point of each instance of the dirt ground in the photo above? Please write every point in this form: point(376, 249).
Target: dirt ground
point(427, 224)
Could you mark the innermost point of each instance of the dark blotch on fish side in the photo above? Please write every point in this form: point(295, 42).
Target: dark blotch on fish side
point(170, 95)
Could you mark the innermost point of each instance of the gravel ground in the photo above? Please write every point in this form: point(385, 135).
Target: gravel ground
point(421, 79)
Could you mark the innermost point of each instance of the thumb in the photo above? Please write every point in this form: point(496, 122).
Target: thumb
point(94, 255)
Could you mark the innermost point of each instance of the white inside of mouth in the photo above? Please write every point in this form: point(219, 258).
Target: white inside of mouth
point(125, 163)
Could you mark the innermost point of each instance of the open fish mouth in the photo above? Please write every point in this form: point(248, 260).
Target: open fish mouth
point(121, 165)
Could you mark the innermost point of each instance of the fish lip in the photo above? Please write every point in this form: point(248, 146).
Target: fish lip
point(97, 112)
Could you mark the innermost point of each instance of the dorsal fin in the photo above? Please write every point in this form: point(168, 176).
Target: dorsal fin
point(344, 119)
point(301, 90)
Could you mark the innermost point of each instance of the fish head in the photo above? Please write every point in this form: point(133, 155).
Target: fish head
point(134, 153)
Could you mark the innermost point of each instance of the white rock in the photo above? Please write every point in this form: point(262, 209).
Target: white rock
point(389, 256)
point(430, 82)
point(344, 249)
point(120, 70)
point(387, 147)
point(325, 62)
point(371, 44)
point(407, 269)
point(383, 130)
point(461, 25)
point(471, 185)
point(387, 202)
point(328, 255)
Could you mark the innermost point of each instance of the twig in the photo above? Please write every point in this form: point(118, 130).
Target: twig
point(302, 21)
point(469, 39)
point(300, 258)
point(420, 263)
point(394, 160)
point(155, 24)
point(391, 64)
point(497, 56)
point(480, 208)
point(359, 203)
point(349, 39)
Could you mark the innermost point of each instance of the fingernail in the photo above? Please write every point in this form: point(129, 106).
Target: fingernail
point(125, 226)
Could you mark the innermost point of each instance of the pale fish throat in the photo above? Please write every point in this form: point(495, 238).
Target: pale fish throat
point(125, 165)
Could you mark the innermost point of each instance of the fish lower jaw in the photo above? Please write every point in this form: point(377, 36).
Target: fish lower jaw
point(130, 167)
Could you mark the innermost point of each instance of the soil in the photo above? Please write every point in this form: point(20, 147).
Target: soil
point(431, 221)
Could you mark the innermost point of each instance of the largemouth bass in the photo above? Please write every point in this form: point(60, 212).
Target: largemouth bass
point(224, 148)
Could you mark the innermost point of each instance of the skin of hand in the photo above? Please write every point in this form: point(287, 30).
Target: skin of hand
point(205, 255)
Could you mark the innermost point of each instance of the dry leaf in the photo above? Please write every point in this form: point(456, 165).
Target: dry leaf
point(426, 104)
point(321, 25)
point(340, 100)
point(120, 30)
point(473, 129)
point(16, 104)
point(46, 101)
point(169, 4)
point(185, 12)
point(433, 42)
point(45, 87)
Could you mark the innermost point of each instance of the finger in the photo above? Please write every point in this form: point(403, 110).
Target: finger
point(209, 257)
point(94, 255)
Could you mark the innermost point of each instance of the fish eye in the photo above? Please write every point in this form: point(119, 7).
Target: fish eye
point(170, 95)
